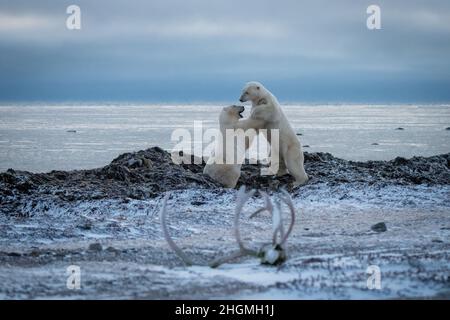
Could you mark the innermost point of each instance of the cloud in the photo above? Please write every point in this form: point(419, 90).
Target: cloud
point(23, 22)
point(213, 28)
point(125, 47)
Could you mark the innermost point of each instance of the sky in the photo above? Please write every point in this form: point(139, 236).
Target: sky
point(187, 51)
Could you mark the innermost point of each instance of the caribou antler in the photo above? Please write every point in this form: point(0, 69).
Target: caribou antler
point(288, 200)
point(274, 253)
point(169, 240)
point(241, 199)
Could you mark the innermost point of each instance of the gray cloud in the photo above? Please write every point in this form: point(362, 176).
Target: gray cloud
point(307, 50)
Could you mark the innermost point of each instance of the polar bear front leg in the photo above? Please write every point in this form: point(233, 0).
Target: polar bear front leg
point(249, 123)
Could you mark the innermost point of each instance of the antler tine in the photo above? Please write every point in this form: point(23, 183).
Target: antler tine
point(169, 240)
point(268, 207)
point(219, 261)
point(242, 198)
point(288, 200)
point(277, 221)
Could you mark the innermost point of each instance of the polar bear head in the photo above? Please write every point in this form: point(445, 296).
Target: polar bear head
point(231, 114)
point(253, 91)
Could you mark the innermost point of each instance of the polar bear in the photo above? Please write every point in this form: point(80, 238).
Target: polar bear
point(217, 166)
point(266, 113)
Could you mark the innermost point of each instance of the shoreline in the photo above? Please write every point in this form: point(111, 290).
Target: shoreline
point(148, 173)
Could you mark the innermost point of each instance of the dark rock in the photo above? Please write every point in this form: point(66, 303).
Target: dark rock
point(400, 161)
point(71, 131)
point(14, 254)
point(313, 260)
point(448, 128)
point(24, 186)
point(306, 146)
point(95, 247)
point(147, 162)
point(375, 144)
point(134, 163)
point(299, 134)
point(35, 253)
point(112, 250)
point(9, 177)
point(379, 227)
point(400, 128)
point(86, 225)
point(198, 203)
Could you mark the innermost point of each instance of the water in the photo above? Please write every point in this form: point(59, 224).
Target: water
point(36, 138)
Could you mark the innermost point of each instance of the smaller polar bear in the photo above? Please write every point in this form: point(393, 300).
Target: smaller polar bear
point(266, 113)
point(217, 167)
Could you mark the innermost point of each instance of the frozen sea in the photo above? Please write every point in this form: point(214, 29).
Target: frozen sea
point(41, 138)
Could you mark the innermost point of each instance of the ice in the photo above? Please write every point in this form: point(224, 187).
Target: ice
point(35, 138)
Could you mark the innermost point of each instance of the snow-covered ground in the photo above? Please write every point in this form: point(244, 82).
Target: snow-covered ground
point(331, 247)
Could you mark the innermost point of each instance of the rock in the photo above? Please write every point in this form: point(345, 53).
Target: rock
point(35, 253)
point(313, 260)
point(85, 225)
point(306, 146)
point(400, 128)
point(14, 254)
point(197, 203)
point(112, 250)
point(134, 163)
point(437, 240)
point(400, 161)
point(448, 128)
point(299, 134)
point(95, 247)
point(375, 144)
point(147, 162)
point(72, 131)
point(379, 227)
point(9, 177)
point(24, 186)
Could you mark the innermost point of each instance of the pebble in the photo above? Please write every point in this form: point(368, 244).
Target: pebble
point(95, 247)
point(379, 227)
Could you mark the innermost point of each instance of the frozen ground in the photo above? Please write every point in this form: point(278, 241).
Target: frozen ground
point(330, 249)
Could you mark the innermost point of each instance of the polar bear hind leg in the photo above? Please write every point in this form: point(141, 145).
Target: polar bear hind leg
point(294, 163)
point(282, 169)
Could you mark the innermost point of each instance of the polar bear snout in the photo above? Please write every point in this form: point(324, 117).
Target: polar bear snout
point(240, 110)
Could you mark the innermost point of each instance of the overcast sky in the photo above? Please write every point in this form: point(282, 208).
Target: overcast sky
point(205, 50)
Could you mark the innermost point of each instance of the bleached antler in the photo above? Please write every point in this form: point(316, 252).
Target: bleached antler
point(288, 200)
point(169, 240)
point(241, 199)
point(269, 254)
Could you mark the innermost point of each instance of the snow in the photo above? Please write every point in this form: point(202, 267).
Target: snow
point(330, 249)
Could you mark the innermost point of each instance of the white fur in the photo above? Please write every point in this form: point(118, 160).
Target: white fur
point(266, 113)
point(226, 174)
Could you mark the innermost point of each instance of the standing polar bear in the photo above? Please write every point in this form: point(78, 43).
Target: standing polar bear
point(217, 167)
point(266, 113)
